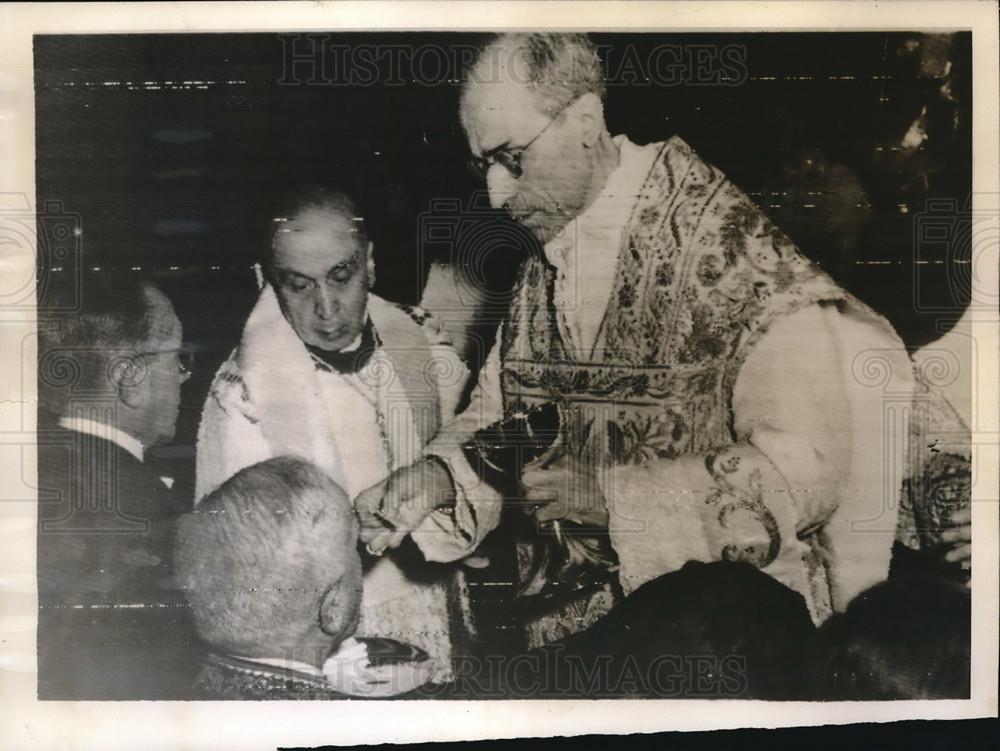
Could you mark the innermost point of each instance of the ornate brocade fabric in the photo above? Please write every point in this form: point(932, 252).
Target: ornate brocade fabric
point(939, 473)
point(701, 274)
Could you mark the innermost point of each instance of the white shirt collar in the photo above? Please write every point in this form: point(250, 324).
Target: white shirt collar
point(108, 433)
point(350, 653)
point(278, 662)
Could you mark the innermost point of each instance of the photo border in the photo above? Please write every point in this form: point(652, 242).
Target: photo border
point(25, 721)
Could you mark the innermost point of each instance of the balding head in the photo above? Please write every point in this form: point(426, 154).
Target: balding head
point(270, 565)
point(555, 68)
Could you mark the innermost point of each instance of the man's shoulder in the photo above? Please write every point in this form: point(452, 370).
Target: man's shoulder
point(60, 451)
point(105, 520)
point(678, 165)
point(678, 190)
point(115, 476)
point(230, 371)
point(674, 150)
point(414, 317)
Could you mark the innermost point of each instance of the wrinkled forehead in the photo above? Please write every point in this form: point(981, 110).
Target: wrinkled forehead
point(314, 240)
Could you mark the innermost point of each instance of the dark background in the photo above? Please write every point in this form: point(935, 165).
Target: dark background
point(168, 150)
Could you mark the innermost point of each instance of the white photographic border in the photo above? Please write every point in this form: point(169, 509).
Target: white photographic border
point(26, 722)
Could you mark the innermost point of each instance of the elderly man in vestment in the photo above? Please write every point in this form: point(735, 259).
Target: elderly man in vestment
point(327, 371)
point(713, 385)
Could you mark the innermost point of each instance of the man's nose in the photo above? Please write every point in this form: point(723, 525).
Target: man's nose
point(326, 303)
point(501, 185)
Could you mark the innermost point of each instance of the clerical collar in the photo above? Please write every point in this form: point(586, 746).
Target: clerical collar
point(348, 360)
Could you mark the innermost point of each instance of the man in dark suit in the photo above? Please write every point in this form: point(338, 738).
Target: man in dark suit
point(112, 623)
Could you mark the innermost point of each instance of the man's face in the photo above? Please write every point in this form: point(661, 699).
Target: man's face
point(500, 114)
point(164, 375)
point(322, 276)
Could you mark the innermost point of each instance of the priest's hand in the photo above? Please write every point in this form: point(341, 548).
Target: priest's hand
point(391, 509)
point(569, 490)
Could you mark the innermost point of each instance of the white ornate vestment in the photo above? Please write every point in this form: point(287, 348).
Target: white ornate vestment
point(272, 397)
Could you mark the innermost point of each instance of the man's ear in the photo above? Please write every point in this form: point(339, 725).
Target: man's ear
point(590, 111)
point(334, 617)
point(125, 374)
point(370, 263)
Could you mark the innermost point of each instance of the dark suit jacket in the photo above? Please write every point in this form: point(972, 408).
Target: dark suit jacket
point(112, 622)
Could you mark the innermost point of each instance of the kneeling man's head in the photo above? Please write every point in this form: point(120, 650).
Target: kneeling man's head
point(270, 564)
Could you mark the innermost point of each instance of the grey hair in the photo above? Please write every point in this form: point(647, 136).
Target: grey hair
point(308, 198)
point(116, 312)
point(245, 557)
point(557, 68)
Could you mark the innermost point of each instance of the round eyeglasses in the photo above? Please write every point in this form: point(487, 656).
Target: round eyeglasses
point(507, 157)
